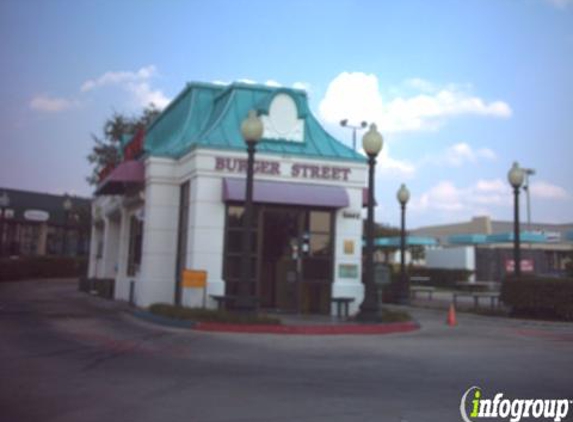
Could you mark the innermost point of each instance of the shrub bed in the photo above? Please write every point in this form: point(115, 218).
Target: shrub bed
point(539, 297)
point(209, 315)
point(41, 267)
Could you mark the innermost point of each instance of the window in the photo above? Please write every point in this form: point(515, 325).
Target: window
point(318, 264)
point(234, 244)
point(135, 244)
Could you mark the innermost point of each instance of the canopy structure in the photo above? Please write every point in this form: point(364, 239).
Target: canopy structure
point(286, 193)
point(126, 176)
point(484, 239)
point(467, 239)
point(526, 237)
point(394, 242)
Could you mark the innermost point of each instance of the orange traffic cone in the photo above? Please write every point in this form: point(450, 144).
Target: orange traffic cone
point(452, 316)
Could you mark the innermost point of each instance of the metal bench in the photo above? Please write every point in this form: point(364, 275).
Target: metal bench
point(493, 297)
point(342, 303)
point(422, 289)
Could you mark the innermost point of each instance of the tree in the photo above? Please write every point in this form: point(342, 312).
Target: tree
point(383, 230)
point(106, 150)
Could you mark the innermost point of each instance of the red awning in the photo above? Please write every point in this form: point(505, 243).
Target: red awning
point(127, 175)
point(285, 193)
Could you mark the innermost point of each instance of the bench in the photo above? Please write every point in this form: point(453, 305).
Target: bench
point(418, 279)
point(342, 303)
point(224, 300)
point(478, 286)
point(422, 289)
point(493, 297)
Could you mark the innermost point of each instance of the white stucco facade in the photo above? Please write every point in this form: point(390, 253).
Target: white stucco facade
point(158, 206)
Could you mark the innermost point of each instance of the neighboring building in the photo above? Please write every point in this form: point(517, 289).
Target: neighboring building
point(176, 203)
point(486, 247)
point(37, 224)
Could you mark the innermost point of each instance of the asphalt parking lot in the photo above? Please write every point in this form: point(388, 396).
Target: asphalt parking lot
point(66, 356)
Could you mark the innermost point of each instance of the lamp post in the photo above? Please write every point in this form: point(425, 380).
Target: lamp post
point(515, 178)
point(372, 143)
point(403, 196)
point(67, 205)
point(344, 123)
point(4, 203)
point(252, 131)
point(528, 172)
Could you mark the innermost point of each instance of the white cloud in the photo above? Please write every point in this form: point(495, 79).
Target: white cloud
point(273, 83)
point(52, 104)
point(388, 166)
point(304, 86)
point(118, 78)
point(560, 4)
point(247, 81)
point(421, 84)
point(446, 196)
point(545, 190)
point(460, 154)
point(136, 83)
point(356, 96)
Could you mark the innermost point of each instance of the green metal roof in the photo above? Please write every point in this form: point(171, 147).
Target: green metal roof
point(210, 116)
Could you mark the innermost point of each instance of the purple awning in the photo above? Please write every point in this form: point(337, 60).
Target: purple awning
point(285, 193)
point(126, 175)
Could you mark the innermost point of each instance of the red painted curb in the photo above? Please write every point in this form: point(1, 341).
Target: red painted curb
point(342, 329)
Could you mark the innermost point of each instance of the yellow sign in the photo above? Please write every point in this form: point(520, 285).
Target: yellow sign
point(349, 247)
point(194, 278)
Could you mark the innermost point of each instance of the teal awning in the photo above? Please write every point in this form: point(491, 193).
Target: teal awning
point(526, 237)
point(394, 242)
point(467, 239)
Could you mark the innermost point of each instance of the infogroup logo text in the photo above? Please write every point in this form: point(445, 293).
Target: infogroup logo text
point(514, 409)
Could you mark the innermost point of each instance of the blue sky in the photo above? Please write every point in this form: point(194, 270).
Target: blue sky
point(460, 89)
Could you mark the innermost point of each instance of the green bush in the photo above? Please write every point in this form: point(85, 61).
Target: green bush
point(41, 267)
point(209, 315)
point(539, 297)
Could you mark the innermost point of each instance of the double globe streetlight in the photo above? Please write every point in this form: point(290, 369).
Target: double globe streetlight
point(515, 177)
point(363, 124)
point(252, 132)
point(4, 204)
point(372, 142)
point(403, 196)
point(67, 206)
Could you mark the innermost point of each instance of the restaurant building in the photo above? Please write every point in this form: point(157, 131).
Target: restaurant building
point(175, 204)
point(485, 246)
point(43, 224)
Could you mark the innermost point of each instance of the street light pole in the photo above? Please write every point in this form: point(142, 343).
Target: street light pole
point(403, 196)
point(344, 123)
point(67, 205)
point(515, 177)
point(528, 172)
point(369, 309)
point(4, 203)
point(252, 131)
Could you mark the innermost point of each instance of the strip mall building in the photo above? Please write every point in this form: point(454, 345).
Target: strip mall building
point(175, 203)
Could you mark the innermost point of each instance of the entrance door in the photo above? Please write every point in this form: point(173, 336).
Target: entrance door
point(278, 285)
